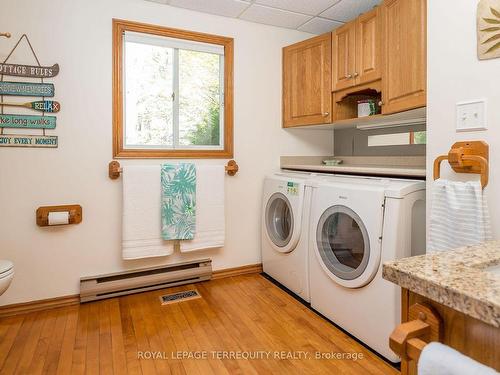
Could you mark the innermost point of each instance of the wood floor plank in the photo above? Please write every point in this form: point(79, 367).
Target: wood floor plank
point(9, 330)
point(68, 342)
point(105, 346)
point(242, 314)
point(78, 363)
point(31, 343)
point(93, 345)
point(129, 340)
point(117, 341)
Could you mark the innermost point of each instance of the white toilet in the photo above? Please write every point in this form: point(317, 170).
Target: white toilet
point(6, 275)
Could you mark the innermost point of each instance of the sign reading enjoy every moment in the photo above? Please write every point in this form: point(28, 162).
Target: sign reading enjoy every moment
point(13, 140)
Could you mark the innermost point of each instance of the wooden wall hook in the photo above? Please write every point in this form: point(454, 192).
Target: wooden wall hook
point(7, 35)
point(232, 167)
point(466, 157)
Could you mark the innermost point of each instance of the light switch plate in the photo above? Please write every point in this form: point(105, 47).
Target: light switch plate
point(471, 115)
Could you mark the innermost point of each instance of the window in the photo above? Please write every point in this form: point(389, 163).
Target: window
point(398, 139)
point(172, 93)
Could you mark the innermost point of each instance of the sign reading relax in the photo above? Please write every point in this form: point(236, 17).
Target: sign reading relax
point(18, 140)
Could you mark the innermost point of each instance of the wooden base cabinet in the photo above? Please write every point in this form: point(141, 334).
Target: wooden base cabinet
point(405, 55)
point(469, 336)
point(307, 96)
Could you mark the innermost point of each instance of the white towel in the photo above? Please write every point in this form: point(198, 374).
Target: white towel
point(210, 217)
point(439, 359)
point(141, 234)
point(459, 215)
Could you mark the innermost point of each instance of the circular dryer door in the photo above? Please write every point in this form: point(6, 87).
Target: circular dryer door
point(343, 245)
point(279, 221)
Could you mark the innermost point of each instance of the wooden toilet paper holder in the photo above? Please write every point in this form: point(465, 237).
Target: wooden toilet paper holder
point(74, 210)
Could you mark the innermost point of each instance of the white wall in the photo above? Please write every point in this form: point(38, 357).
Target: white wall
point(455, 74)
point(77, 35)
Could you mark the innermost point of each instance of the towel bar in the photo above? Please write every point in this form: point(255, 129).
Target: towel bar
point(466, 157)
point(114, 169)
point(409, 339)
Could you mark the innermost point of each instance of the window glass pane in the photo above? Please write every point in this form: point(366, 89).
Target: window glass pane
point(199, 99)
point(148, 95)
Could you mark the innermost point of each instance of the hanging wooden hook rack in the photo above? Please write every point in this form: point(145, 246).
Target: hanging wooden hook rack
point(115, 169)
point(7, 35)
point(466, 157)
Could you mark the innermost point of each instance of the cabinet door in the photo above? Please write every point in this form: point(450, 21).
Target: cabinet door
point(404, 76)
point(368, 47)
point(344, 56)
point(307, 97)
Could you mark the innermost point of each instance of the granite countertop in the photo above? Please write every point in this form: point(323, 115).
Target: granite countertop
point(461, 279)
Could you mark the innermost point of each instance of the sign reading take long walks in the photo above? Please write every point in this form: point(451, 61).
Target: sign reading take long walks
point(29, 89)
point(27, 122)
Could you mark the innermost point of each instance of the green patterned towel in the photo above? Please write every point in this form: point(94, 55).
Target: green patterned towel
point(178, 201)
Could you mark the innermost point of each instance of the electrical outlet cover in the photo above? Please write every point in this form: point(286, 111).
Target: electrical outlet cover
point(471, 115)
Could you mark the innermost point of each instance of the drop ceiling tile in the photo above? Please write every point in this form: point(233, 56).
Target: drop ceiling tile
point(346, 10)
point(319, 26)
point(273, 16)
point(311, 7)
point(228, 8)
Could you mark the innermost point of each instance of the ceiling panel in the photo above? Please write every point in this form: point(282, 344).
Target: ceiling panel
point(273, 16)
point(311, 7)
point(228, 8)
point(346, 10)
point(319, 26)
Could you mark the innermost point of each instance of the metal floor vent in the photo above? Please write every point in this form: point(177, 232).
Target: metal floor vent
point(179, 296)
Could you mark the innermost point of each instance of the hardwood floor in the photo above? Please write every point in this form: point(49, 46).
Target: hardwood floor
point(236, 316)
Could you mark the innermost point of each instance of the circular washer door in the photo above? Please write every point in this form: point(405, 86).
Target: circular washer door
point(279, 220)
point(343, 245)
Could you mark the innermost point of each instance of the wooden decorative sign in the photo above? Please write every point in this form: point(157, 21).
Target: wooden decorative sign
point(18, 140)
point(40, 105)
point(488, 29)
point(26, 89)
point(27, 121)
point(29, 71)
point(40, 89)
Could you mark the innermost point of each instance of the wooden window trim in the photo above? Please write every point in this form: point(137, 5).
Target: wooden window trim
point(119, 28)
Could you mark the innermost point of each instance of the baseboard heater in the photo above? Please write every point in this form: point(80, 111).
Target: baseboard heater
point(145, 279)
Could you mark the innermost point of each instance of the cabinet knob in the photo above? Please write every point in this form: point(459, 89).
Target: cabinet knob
point(349, 76)
point(380, 103)
point(325, 114)
point(356, 74)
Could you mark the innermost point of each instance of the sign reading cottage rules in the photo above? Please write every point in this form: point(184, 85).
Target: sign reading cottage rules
point(29, 71)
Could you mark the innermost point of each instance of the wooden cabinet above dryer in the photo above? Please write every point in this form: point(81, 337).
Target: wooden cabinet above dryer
point(307, 96)
point(357, 51)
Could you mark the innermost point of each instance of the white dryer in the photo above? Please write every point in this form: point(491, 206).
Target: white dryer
point(285, 228)
point(357, 223)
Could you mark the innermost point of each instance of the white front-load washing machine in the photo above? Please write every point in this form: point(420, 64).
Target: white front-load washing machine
point(356, 224)
point(285, 227)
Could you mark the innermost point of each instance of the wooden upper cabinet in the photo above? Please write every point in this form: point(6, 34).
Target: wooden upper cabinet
point(344, 56)
point(356, 51)
point(404, 76)
point(307, 84)
point(368, 47)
